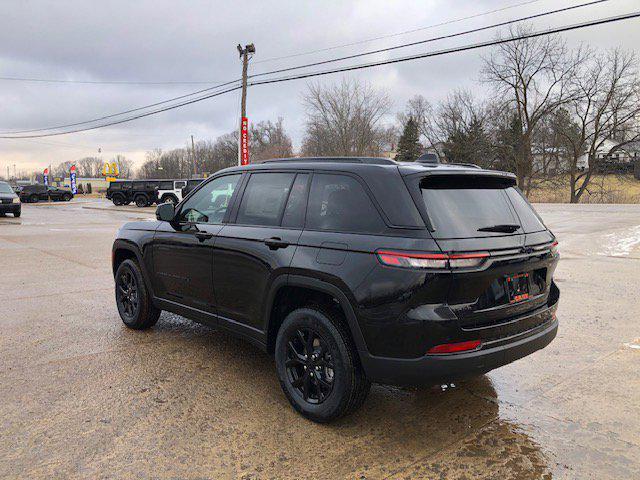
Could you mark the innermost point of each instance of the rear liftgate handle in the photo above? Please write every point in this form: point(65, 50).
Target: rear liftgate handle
point(275, 243)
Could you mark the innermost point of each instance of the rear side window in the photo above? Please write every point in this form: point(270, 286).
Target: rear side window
point(166, 185)
point(339, 203)
point(527, 215)
point(466, 207)
point(293, 216)
point(264, 199)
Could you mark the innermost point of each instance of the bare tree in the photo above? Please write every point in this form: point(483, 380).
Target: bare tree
point(535, 77)
point(125, 166)
point(269, 140)
point(422, 112)
point(345, 120)
point(90, 167)
point(605, 115)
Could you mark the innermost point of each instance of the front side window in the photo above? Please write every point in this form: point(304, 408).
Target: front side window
point(264, 199)
point(339, 203)
point(210, 203)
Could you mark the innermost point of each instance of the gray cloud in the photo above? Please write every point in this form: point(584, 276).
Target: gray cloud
point(195, 41)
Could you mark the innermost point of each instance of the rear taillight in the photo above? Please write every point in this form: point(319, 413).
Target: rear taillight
point(554, 248)
point(412, 260)
point(455, 347)
point(431, 260)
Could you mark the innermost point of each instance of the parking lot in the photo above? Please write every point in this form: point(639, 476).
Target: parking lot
point(81, 396)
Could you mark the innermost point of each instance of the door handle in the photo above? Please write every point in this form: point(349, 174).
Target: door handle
point(202, 236)
point(275, 243)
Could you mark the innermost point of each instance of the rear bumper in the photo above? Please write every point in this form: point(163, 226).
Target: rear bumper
point(10, 207)
point(434, 369)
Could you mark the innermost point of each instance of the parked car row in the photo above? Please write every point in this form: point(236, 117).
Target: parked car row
point(37, 192)
point(147, 192)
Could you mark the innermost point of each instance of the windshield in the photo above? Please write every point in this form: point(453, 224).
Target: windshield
point(5, 188)
point(465, 207)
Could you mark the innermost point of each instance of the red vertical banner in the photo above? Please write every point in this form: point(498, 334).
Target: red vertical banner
point(244, 142)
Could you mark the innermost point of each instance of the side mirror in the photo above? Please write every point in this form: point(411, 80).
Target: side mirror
point(166, 212)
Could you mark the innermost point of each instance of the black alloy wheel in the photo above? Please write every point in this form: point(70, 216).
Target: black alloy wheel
point(134, 302)
point(141, 201)
point(127, 294)
point(318, 365)
point(309, 365)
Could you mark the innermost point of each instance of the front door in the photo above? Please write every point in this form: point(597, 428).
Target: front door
point(258, 245)
point(182, 251)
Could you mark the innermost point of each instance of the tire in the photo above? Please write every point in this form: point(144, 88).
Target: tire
point(117, 200)
point(133, 299)
point(66, 197)
point(33, 199)
point(141, 201)
point(333, 391)
point(17, 214)
point(169, 199)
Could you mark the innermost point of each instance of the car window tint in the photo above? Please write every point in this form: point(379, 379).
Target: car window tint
point(293, 216)
point(339, 203)
point(210, 203)
point(264, 198)
point(527, 215)
point(166, 185)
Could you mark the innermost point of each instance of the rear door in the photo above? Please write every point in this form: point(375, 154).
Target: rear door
point(488, 216)
point(257, 245)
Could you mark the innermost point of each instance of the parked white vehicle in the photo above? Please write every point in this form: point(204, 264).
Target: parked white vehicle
point(171, 191)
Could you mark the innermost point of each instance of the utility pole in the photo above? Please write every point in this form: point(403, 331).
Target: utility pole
point(193, 153)
point(244, 55)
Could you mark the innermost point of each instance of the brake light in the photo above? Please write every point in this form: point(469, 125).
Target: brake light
point(413, 260)
point(554, 248)
point(454, 347)
point(431, 260)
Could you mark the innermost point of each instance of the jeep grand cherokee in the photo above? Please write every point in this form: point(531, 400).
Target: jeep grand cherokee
point(350, 271)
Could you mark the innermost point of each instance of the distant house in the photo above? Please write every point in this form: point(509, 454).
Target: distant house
point(621, 160)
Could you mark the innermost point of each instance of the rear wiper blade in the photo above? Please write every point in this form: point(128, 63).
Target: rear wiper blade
point(504, 228)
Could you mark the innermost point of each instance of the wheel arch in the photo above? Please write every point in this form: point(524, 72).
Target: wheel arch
point(125, 250)
point(293, 291)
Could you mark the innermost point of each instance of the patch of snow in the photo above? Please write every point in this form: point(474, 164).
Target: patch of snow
point(621, 244)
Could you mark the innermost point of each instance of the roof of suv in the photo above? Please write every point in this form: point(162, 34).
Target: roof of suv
point(369, 163)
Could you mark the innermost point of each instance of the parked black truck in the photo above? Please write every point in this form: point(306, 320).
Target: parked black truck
point(142, 192)
point(350, 271)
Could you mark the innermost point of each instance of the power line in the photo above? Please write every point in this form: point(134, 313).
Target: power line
point(391, 35)
point(367, 65)
point(202, 82)
point(466, 32)
point(433, 39)
point(105, 82)
point(137, 109)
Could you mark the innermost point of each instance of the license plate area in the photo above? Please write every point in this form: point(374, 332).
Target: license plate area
point(517, 287)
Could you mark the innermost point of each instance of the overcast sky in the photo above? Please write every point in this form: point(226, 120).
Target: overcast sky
point(165, 40)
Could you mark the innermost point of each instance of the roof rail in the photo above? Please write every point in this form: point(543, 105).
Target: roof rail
point(365, 160)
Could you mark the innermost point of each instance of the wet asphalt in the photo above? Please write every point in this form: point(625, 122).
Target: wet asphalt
point(81, 396)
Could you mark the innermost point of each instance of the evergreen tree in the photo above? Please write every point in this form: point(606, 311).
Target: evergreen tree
point(409, 147)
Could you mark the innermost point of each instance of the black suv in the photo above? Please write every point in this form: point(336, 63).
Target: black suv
point(350, 271)
point(35, 193)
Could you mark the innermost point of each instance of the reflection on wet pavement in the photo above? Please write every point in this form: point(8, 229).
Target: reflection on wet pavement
point(83, 397)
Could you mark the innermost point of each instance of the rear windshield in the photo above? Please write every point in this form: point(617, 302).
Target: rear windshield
point(466, 207)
